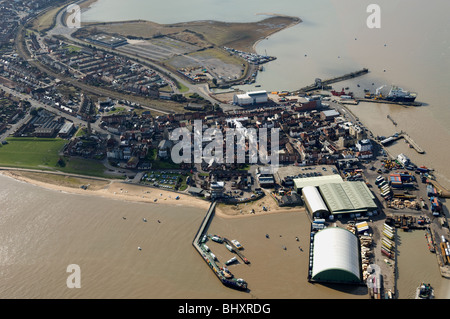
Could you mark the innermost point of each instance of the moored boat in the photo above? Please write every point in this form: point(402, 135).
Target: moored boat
point(424, 291)
point(236, 244)
point(226, 273)
point(217, 239)
point(399, 95)
point(230, 261)
point(238, 283)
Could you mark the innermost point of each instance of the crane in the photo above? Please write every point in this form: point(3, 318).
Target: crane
point(377, 92)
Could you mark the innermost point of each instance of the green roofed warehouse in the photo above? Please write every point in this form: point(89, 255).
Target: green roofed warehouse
point(348, 198)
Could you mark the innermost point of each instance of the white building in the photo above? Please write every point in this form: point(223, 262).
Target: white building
point(403, 159)
point(336, 256)
point(251, 98)
point(364, 145)
point(313, 201)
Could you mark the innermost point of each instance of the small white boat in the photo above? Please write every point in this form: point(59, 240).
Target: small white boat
point(139, 248)
point(217, 239)
point(232, 260)
point(229, 247)
point(145, 220)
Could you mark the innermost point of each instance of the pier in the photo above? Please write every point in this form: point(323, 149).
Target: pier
point(319, 84)
point(210, 259)
point(412, 143)
point(404, 136)
point(388, 102)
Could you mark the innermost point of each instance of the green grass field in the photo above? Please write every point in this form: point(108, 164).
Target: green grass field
point(39, 153)
point(43, 154)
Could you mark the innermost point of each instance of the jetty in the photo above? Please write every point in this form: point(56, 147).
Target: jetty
point(209, 257)
point(321, 84)
point(392, 120)
point(412, 143)
point(404, 136)
point(388, 102)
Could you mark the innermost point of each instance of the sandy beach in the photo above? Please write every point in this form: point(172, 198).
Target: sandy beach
point(109, 189)
point(137, 193)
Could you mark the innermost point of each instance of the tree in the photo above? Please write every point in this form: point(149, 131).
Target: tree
point(61, 162)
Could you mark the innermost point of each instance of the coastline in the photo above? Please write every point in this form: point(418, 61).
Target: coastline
point(270, 34)
point(119, 190)
point(85, 5)
point(238, 35)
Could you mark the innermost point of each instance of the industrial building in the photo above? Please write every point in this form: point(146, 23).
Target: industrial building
point(314, 202)
point(66, 129)
point(335, 257)
point(108, 40)
point(348, 198)
point(265, 177)
point(329, 115)
point(251, 98)
point(300, 183)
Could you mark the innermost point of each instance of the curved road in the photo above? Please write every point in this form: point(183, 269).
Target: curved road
point(61, 30)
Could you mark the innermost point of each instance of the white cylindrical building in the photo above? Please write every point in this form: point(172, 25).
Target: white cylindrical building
point(314, 202)
point(336, 256)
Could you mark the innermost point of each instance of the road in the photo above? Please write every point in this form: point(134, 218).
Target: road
point(201, 89)
point(36, 104)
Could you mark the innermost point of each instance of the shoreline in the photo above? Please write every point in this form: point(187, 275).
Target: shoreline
point(294, 23)
point(197, 27)
point(119, 190)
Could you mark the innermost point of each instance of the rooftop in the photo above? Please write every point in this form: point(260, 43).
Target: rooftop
point(347, 197)
point(317, 181)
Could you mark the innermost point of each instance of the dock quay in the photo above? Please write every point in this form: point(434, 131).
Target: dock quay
point(405, 136)
point(412, 143)
point(443, 192)
point(388, 102)
point(442, 255)
point(319, 84)
point(405, 222)
point(209, 257)
point(432, 234)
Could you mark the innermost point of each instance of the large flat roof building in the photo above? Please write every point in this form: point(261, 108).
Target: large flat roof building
point(251, 98)
point(108, 40)
point(348, 198)
point(300, 183)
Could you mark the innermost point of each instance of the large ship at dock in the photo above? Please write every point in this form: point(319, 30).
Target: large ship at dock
point(395, 94)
